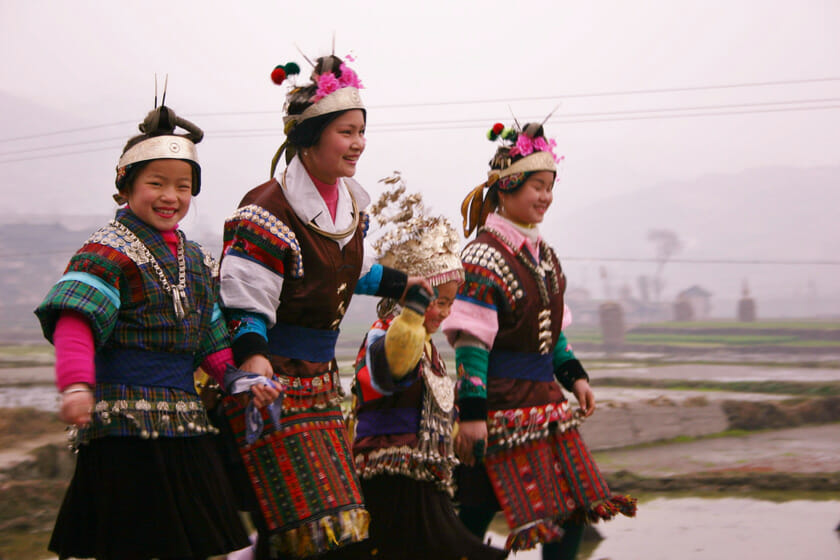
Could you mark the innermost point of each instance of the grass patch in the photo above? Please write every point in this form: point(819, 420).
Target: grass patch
point(792, 324)
point(801, 388)
point(18, 424)
point(775, 496)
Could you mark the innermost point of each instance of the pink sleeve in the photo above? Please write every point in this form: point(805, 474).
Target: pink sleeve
point(216, 363)
point(479, 321)
point(74, 350)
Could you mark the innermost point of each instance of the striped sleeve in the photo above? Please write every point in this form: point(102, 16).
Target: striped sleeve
point(216, 338)
point(374, 379)
point(93, 286)
point(259, 251)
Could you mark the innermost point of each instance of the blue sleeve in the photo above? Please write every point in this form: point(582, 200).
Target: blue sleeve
point(369, 283)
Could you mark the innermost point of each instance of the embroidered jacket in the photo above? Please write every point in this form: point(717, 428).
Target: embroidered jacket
point(279, 274)
point(145, 355)
point(511, 304)
point(402, 427)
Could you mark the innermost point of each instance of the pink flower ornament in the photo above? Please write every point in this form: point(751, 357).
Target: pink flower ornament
point(524, 145)
point(327, 83)
point(349, 78)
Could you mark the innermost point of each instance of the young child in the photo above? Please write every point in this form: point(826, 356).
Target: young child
point(405, 400)
point(132, 318)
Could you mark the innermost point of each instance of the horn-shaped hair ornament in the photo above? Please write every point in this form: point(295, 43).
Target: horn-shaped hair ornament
point(158, 140)
point(522, 150)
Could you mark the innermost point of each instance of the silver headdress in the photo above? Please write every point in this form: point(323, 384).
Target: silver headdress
point(411, 240)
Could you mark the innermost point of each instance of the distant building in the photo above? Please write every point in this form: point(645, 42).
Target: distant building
point(692, 304)
point(746, 306)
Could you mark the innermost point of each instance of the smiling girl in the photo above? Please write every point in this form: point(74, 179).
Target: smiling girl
point(512, 359)
point(293, 257)
point(132, 318)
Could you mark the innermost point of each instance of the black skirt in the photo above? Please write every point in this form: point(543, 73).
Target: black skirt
point(410, 519)
point(132, 498)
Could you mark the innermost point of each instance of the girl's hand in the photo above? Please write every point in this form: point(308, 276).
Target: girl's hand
point(263, 395)
point(470, 432)
point(76, 405)
point(258, 364)
point(412, 280)
point(585, 397)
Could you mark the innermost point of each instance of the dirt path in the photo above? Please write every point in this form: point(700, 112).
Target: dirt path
point(802, 450)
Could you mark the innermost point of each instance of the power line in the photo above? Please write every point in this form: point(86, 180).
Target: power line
point(648, 91)
point(573, 118)
point(609, 93)
point(774, 262)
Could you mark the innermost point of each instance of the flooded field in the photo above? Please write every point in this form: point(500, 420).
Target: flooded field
point(717, 529)
point(678, 526)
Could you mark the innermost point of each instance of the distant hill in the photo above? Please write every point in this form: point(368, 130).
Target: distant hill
point(767, 214)
point(759, 215)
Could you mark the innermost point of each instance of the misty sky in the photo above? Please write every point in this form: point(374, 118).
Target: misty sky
point(437, 76)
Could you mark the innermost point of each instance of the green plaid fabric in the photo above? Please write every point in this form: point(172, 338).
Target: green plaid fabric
point(144, 317)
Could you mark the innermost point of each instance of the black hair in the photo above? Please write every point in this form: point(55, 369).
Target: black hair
point(308, 133)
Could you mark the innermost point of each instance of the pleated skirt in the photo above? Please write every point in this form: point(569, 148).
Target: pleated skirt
point(133, 498)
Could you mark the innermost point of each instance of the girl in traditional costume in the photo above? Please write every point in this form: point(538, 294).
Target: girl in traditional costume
point(293, 257)
point(404, 399)
point(518, 436)
point(132, 318)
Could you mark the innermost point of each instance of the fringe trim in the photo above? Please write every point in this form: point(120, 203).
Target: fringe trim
point(322, 535)
point(517, 426)
point(144, 418)
point(549, 530)
point(617, 504)
point(532, 534)
point(316, 393)
point(410, 462)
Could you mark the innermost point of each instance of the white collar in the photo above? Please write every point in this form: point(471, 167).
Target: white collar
point(309, 205)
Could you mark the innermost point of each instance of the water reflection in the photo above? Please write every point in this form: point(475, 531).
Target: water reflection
point(719, 529)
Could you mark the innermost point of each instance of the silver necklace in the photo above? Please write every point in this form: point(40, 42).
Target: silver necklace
point(543, 273)
point(179, 292)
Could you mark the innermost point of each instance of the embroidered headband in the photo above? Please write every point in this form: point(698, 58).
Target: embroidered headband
point(159, 141)
point(335, 87)
point(521, 153)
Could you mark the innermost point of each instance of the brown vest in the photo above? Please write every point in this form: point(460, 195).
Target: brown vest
point(519, 327)
point(319, 298)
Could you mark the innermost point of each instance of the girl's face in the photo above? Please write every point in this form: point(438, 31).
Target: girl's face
point(339, 148)
point(161, 193)
point(529, 203)
point(441, 306)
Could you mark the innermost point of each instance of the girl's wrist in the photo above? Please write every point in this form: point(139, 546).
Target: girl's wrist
point(76, 388)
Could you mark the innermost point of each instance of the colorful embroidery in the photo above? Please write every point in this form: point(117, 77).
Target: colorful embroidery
point(257, 235)
point(486, 271)
point(543, 482)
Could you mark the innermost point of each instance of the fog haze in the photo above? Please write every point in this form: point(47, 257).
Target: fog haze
point(719, 121)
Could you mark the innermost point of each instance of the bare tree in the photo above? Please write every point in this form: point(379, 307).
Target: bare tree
point(667, 244)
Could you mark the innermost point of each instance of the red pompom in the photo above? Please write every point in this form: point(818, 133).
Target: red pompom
point(278, 75)
point(498, 128)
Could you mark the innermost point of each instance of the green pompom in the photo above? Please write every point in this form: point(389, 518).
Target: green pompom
point(490, 135)
point(509, 134)
point(292, 68)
